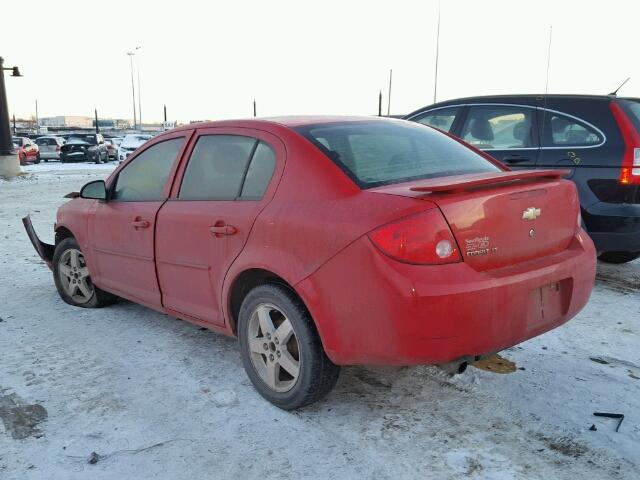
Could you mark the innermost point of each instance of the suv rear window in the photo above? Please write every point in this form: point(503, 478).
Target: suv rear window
point(632, 109)
point(374, 153)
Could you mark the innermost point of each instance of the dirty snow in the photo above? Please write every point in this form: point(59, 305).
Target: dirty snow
point(155, 397)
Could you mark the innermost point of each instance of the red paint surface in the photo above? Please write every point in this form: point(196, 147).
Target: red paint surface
point(311, 230)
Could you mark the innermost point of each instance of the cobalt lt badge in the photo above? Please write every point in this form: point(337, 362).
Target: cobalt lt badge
point(531, 213)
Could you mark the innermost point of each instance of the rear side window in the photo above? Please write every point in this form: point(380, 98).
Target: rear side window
point(227, 167)
point(563, 131)
point(143, 179)
point(374, 153)
point(441, 118)
point(259, 172)
point(490, 127)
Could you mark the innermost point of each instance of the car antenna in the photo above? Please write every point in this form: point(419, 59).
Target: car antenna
point(615, 92)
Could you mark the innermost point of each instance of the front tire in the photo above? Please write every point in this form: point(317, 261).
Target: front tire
point(618, 257)
point(281, 349)
point(72, 278)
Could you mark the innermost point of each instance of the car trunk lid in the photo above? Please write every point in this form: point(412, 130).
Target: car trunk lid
point(502, 218)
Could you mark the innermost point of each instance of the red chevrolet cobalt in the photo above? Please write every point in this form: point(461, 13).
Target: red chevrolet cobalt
point(322, 242)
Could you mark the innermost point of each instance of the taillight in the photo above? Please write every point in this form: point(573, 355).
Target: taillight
point(630, 170)
point(424, 239)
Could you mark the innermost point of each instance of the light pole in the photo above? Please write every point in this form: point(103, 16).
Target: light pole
point(133, 90)
point(9, 165)
point(139, 91)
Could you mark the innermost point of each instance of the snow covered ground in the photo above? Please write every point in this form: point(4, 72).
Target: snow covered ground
point(156, 397)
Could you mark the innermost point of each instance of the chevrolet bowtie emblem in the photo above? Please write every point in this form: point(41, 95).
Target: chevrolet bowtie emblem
point(531, 213)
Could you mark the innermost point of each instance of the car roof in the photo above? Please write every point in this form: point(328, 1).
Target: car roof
point(512, 98)
point(285, 121)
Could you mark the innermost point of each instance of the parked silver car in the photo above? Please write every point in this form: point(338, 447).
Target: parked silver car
point(50, 147)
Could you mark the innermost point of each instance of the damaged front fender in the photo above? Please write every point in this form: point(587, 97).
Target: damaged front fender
point(45, 250)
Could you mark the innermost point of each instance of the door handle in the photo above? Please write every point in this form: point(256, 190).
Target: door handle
point(516, 159)
point(220, 229)
point(137, 223)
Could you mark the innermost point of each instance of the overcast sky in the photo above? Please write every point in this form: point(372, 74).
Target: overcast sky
point(209, 60)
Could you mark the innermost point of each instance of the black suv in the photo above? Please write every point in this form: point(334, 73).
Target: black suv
point(84, 147)
point(597, 138)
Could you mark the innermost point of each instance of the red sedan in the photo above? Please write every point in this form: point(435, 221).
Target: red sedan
point(27, 150)
point(322, 242)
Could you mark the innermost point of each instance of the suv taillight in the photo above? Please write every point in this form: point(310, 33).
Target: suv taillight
point(630, 170)
point(423, 239)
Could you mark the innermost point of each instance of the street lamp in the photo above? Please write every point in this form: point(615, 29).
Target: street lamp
point(139, 91)
point(133, 89)
point(9, 165)
point(6, 144)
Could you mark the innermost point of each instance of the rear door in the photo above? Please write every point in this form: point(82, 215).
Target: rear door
point(229, 176)
point(121, 230)
point(507, 132)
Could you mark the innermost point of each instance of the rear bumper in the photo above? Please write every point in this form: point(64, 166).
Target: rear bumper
point(49, 155)
point(44, 250)
point(614, 226)
point(370, 309)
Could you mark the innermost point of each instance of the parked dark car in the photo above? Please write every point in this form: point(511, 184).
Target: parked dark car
point(596, 137)
point(84, 147)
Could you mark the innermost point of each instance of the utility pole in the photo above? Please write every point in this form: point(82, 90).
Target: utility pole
point(37, 119)
point(165, 113)
point(15, 131)
point(389, 104)
point(254, 107)
point(435, 80)
point(97, 126)
point(133, 90)
point(9, 165)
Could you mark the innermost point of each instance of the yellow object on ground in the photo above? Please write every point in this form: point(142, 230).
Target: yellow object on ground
point(496, 364)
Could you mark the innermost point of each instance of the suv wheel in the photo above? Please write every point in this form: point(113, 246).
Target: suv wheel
point(72, 278)
point(618, 257)
point(281, 350)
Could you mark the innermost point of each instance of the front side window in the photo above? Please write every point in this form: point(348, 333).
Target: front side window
point(499, 127)
point(227, 167)
point(562, 131)
point(442, 118)
point(374, 153)
point(143, 179)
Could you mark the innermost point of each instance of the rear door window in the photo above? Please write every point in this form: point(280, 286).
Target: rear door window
point(496, 127)
point(565, 131)
point(441, 118)
point(227, 167)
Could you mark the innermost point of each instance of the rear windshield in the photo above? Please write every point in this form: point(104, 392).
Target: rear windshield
point(375, 153)
point(134, 140)
point(16, 141)
point(82, 138)
point(632, 109)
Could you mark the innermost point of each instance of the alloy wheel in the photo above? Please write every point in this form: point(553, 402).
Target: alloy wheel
point(274, 348)
point(74, 276)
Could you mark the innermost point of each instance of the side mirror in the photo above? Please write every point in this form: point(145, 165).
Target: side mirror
point(95, 190)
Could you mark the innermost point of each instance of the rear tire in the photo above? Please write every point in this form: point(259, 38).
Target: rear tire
point(292, 371)
point(618, 257)
point(37, 160)
point(72, 279)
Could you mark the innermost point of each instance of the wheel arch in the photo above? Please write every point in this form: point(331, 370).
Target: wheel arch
point(62, 232)
point(244, 282)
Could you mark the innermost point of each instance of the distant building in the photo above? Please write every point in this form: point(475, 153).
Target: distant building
point(67, 121)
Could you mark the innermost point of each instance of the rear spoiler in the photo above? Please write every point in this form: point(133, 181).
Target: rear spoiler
point(459, 183)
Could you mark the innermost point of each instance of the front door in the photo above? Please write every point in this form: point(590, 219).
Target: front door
point(227, 180)
point(121, 230)
point(506, 132)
